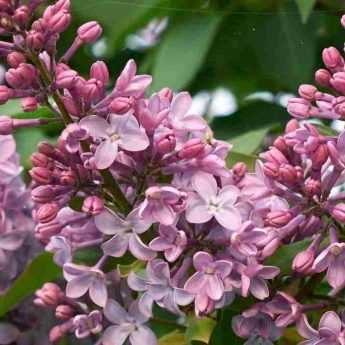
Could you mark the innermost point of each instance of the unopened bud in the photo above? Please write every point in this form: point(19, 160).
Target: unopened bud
point(68, 178)
point(278, 218)
point(338, 82)
point(303, 261)
point(66, 79)
point(166, 94)
point(99, 71)
point(338, 212)
point(41, 175)
point(39, 160)
point(192, 148)
point(21, 15)
point(299, 108)
point(332, 58)
point(93, 205)
point(42, 194)
point(240, 169)
point(323, 77)
point(89, 32)
point(307, 91)
point(29, 104)
point(166, 144)
point(60, 21)
point(35, 40)
point(64, 312)
point(14, 59)
point(121, 105)
point(312, 187)
point(6, 125)
point(47, 212)
point(49, 295)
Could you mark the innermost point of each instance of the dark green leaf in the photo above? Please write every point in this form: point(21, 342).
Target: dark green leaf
point(41, 270)
point(182, 51)
point(247, 127)
point(235, 157)
point(199, 329)
point(305, 8)
point(173, 338)
point(284, 256)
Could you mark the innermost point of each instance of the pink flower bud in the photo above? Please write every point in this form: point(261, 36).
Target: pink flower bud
point(166, 144)
point(43, 194)
point(39, 160)
point(66, 79)
point(50, 294)
point(21, 77)
point(5, 5)
point(288, 174)
point(280, 144)
point(291, 126)
point(323, 77)
point(21, 15)
point(312, 187)
point(307, 91)
point(58, 332)
point(6, 125)
point(338, 212)
point(166, 94)
point(99, 71)
point(68, 178)
point(71, 106)
point(47, 212)
point(64, 312)
point(44, 231)
point(46, 148)
point(332, 58)
point(35, 40)
point(343, 21)
point(59, 22)
point(89, 32)
point(278, 218)
point(92, 90)
point(191, 149)
point(319, 156)
point(41, 175)
point(121, 105)
point(93, 205)
point(29, 104)
point(5, 94)
point(303, 261)
point(271, 170)
point(299, 108)
point(338, 82)
point(240, 169)
point(14, 59)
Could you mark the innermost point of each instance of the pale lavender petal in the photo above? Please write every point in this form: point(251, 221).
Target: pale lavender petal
point(116, 335)
point(145, 305)
point(98, 292)
point(116, 246)
point(143, 336)
point(228, 195)
point(78, 286)
point(135, 282)
point(159, 244)
point(336, 272)
point(331, 321)
point(304, 328)
point(214, 288)
point(181, 104)
point(105, 154)
point(139, 224)
point(205, 185)
point(196, 283)
point(115, 313)
point(258, 288)
point(229, 217)
point(197, 211)
point(172, 254)
point(110, 223)
point(201, 260)
point(223, 267)
point(138, 85)
point(193, 123)
point(140, 250)
point(183, 297)
point(7, 147)
point(8, 333)
point(269, 272)
point(96, 126)
point(164, 215)
point(12, 240)
point(322, 261)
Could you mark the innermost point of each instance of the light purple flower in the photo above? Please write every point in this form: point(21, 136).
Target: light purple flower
point(126, 326)
point(171, 240)
point(157, 287)
point(209, 202)
point(8, 333)
point(332, 259)
point(61, 248)
point(83, 279)
point(163, 204)
point(208, 282)
point(180, 119)
point(122, 131)
point(254, 276)
point(125, 234)
point(329, 332)
point(88, 324)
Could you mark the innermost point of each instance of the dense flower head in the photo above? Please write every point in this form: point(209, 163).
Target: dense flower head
point(141, 179)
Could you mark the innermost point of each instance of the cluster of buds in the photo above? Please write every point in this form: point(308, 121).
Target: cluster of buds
point(143, 179)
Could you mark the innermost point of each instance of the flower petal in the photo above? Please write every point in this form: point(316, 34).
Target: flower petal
point(105, 154)
point(143, 336)
point(98, 292)
point(115, 335)
point(140, 250)
point(95, 125)
point(115, 313)
point(110, 223)
point(229, 217)
point(116, 246)
point(205, 185)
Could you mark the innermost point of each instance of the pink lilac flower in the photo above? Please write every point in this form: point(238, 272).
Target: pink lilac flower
point(126, 325)
point(209, 202)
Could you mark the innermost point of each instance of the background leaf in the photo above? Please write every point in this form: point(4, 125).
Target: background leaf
point(305, 8)
point(199, 329)
point(41, 270)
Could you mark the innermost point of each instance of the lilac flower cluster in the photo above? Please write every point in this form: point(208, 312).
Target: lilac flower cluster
point(142, 180)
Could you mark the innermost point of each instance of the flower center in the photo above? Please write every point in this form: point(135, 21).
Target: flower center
point(114, 137)
point(336, 250)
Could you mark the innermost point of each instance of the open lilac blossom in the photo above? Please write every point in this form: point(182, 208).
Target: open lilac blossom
point(209, 203)
point(125, 234)
point(126, 325)
point(88, 324)
point(121, 131)
point(83, 279)
point(158, 287)
point(61, 248)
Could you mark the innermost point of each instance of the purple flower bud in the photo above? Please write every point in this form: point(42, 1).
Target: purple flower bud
point(312, 187)
point(89, 32)
point(66, 79)
point(6, 125)
point(166, 144)
point(41, 175)
point(47, 212)
point(323, 77)
point(21, 15)
point(14, 59)
point(29, 104)
point(278, 218)
point(44, 232)
point(338, 212)
point(191, 149)
point(39, 160)
point(307, 91)
point(338, 82)
point(35, 40)
point(99, 71)
point(93, 205)
point(64, 312)
point(49, 295)
point(332, 58)
point(42, 194)
point(319, 156)
point(121, 105)
point(288, 174)
point(303, 261)
point(240, 169)
point(59, 22)
point(68, 178)
point(299, 108)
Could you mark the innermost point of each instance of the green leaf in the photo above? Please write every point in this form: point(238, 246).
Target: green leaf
point(284, 256)
point(173, 338)
point(305, 8)
point(247, 127)
point(135, 266)
point(235, 157)
point(183, 50)
point(199, 329)
point(41, 270)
